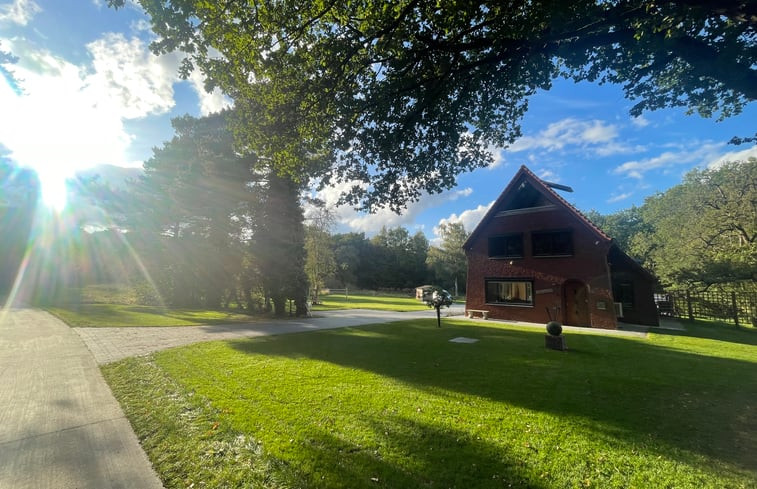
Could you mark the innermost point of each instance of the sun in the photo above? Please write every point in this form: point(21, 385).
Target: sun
point(53, 189)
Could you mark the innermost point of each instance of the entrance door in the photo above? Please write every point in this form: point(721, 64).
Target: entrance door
point(576, 296)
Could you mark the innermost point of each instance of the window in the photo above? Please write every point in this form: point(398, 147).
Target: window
point(506, 246)
point(553, 243)
point(623, 292)
point(510, 292)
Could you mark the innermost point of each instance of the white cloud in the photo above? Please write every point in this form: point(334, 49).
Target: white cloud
point(734, 156)
point(619, 197)
point(469, 218)
point(567, 132)
point(637, 168)
point(210, 102)
point(66, 117)
point(59, 118)
point(549, 174)
point(497, 155)
point(129, 78)
point(640, 121)
point(19, 12)
point(352, 220)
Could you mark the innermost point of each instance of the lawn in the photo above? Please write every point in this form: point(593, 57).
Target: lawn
point(121, 315)
point(384, 303)
point(107, 306)
point(399, 406)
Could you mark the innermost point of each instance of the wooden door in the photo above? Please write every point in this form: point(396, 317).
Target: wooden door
point(576, 304)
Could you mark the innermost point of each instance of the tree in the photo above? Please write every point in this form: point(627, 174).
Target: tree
point(398, 259)
point(703, 232)
point(320, 262)
point(19, 191)
point(278, 245)
point(621, 226)
point(349, 251)
point(185, 211)
point(399, 98)
point(448, 262)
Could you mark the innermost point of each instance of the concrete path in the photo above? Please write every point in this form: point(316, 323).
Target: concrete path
point(111, 344)
point(60, 426)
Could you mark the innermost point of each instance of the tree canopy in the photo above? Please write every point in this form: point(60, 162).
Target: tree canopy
point(700, 233)
point(703, 232)
point(399, 97)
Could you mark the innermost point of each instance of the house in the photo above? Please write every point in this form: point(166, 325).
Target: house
point(535, 257)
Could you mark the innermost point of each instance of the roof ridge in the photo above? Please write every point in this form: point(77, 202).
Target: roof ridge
point(573, 208)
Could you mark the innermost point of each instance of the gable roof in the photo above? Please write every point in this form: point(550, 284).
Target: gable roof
point(535, 199)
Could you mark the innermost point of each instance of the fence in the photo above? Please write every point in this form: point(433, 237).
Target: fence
point(737, 307)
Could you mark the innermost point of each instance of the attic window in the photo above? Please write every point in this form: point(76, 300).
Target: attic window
point(506, 246)
point(552, 243)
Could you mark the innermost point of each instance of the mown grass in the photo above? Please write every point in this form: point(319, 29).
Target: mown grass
point(122, 315)
point(378, 302)
point(398, 405)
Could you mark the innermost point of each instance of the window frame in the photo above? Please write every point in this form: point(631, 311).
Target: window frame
point(623, 291)
point(506, 237)
point(529, 282)
point(535, 235)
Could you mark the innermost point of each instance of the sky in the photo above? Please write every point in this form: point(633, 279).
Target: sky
point(86, 90)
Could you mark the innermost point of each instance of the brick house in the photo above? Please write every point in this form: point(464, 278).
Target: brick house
point(534, 255)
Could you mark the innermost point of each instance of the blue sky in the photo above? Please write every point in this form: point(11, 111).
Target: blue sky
point(90, 92)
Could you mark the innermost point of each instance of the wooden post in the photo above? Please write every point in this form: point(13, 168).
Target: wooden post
point(688, 306)
point(438, 317)
point(735, 307)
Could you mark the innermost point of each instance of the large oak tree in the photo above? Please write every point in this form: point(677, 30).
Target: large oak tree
point(404, 95)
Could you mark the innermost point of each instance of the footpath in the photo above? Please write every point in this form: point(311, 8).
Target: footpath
point(60, 426)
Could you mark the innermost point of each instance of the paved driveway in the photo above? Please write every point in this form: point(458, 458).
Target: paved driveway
point(111, 344)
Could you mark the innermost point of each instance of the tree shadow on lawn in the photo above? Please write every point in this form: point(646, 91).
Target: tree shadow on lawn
point(628, 389)
point(430, 457)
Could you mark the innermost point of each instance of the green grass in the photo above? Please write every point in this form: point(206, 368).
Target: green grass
point(382, 302)
point(399, 406)
point(121, 315)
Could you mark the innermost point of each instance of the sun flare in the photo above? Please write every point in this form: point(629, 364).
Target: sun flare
point(53, 188)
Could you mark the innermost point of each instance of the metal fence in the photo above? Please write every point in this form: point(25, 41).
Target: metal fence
point(736, 307)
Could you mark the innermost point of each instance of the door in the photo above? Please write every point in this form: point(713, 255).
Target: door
point(576, 297)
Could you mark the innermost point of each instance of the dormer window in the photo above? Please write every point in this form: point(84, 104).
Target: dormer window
point(506, 246)
point(552, 243)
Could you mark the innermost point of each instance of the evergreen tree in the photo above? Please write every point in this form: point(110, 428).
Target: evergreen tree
point(278, 245)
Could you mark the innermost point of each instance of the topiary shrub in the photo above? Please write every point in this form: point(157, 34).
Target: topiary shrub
point(554, 328)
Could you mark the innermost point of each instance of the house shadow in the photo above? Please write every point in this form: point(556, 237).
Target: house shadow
point(623, 389)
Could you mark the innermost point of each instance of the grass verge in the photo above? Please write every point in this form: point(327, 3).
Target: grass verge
point(398, 405)
point(121, 315)
point(382, 303)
